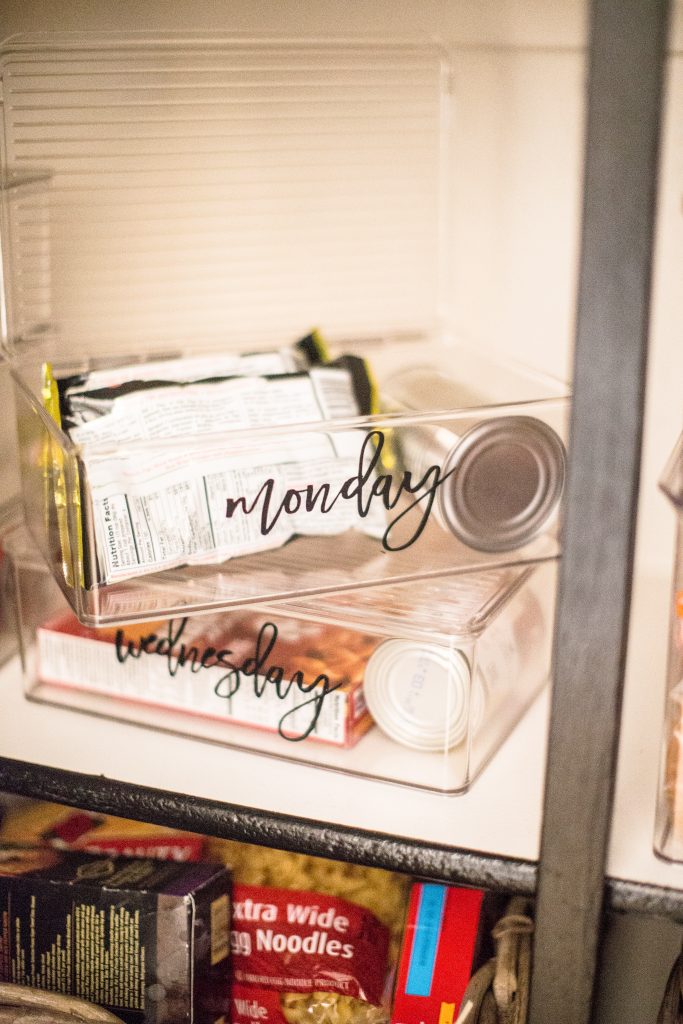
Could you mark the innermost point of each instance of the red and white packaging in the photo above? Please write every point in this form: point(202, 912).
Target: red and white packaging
point(46, 824)
point(444, 933)
point(249, 1003)
point(242, 668)
point(290, 941)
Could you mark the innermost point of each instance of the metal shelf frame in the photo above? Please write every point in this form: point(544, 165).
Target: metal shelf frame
point(627, 53)
point(299, 835)
point(279, 831)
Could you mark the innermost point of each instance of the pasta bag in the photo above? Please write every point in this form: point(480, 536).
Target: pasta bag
point(301, 957)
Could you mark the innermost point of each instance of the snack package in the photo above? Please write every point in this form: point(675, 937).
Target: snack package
point(446, 938)
point(64, 828)
point(308, 882)
point(299, 679)
point(155, 507)
point(148, 940)
point(85, 396)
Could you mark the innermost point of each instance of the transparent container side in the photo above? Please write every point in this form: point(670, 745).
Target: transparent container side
point(25, 296)
point(9, 458)
point(10, 519)
point(385, 700)
point(204, 191)
point(669, 823)
point(220, 198)
point(173, 521)
point(49, 482)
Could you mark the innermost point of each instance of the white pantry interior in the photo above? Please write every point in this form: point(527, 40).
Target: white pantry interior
point(513, 235)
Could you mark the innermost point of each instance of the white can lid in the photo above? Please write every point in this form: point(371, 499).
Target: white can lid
point(418, 694)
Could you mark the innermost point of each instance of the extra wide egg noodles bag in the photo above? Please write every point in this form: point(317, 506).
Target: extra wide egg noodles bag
point(313, 941)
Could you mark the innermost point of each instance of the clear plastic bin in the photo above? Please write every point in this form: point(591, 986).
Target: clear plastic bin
point(224, 195)
point(10, 517)
point(414, 684)
point(669, 825)
point(398, 504)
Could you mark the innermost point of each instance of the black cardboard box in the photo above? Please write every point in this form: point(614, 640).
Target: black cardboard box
point(147, 939)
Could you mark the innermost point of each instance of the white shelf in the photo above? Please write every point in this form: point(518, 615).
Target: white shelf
point(500, 815)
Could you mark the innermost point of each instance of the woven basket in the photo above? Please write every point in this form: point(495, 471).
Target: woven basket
point(35, 1006)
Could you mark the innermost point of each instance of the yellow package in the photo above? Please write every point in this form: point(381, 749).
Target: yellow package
point(67, 828)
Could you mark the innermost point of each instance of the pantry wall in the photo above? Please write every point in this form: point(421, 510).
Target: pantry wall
point(519, 75)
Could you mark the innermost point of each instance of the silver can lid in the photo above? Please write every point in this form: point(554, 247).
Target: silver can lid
point(419, 694)
point(506, 480)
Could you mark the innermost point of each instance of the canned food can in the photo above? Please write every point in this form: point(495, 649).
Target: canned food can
point(432, 696)
point(504, 476)
point(420, 694)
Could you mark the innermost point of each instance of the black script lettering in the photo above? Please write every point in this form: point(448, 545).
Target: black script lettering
point(254, 666)
point(375, 438)
point(229, 684)
point(167, 645)
point(325, 688)
point(259, 667)
point(231, 678)
point(430, 495)
point(206, 657)
point(311, 498)
point(122, 655)
point(232, 504)
point(276, 676)
point(266, 491)
point(152, 644)
point(184, 654)
point(364, 486)
point(381, 488)
point(146, 642)
point(287, 503)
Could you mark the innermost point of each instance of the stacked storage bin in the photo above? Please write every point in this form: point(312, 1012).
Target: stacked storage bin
point(372, 594)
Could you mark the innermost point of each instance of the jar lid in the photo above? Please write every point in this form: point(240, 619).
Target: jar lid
point(419, 694)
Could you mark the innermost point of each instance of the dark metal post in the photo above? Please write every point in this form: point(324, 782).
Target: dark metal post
point(622, 141)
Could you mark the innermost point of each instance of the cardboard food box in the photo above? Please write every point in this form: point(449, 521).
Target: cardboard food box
point(297, 678)
point(147, 939)
point(67, 828)
point(446, 938)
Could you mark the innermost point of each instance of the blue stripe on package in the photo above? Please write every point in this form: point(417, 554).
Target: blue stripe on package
point(426, 940)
